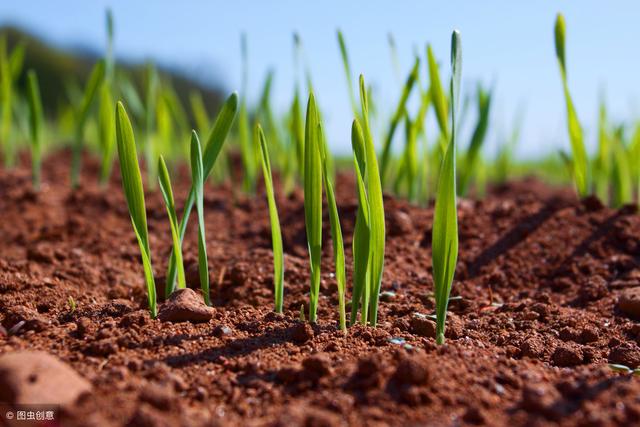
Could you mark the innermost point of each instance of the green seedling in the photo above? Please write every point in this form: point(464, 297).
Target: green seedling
point(445, 221)
point(336, 231)
point(477, 140)
point(313, 202)
point(10, 69)
point(167, 195)
point(81, 116)
point(580, 159)
point(35, 127)
point(621, 177)
point(199, 111)
point(361, 233)
point(150, 103)
point(197, 179)
point(105, 133)
point(276, 234)
point(397, 116)
point(212, 149)
point(72, 304)
point(369, 235)
point(347, 70)
point(438, 97)
point(134, 194)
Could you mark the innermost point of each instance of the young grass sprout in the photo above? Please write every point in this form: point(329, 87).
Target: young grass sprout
point(167, 195)
point(35, 127)
point(214, 144)
point(313, 202)
point(134, 194)
point(197, 179)
point(369, 234)
point(580, 159)
point(445, 221)
point(276, 234)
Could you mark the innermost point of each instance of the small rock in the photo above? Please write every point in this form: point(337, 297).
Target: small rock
point(387, 296)
point(138, 318)
point(399, 223)
point(185, 305)
point(35, 377)
point(627, 354)
point(221, 331)
point(412, 370)
point(84, 327)
point(596, 288)
point(589, 334)
point(533, 347)
point(629, 302)
point(567, 354)
point(301, 332)
point(28, 319)
point(423, 326)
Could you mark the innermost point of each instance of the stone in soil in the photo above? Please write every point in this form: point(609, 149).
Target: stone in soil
point(185, 305)
point(629, 302)
point(36, 377)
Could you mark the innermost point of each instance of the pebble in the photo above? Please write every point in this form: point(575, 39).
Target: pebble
point(21, 318)
point(35, 377)
point(399, 223)
point(627, 354)
point(301, 332)
point(423, 326)
point(533, 347)
point(567, 354)
point(629, 302)
point(185, 305)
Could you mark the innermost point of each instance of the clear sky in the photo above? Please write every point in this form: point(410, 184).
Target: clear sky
point(509, 43)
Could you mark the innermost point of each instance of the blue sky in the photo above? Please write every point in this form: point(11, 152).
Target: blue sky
point(508, 43)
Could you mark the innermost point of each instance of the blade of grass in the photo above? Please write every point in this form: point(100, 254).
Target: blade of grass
point(35, 126)
point(376, 210)
point(106, 137)
point(579, 152)
point(197, 179)
point(167, 195)
point(483, 99)
point(347, 71)
point(276, 234)
point(313, 202)
point(336, 231)
point(6, 90)
point(621, 173)
point(397, 116)
point(445, 217)
point(134, 194)
point(438, 97)
point(361, 232)
point(95, 79)
point(214, 144)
